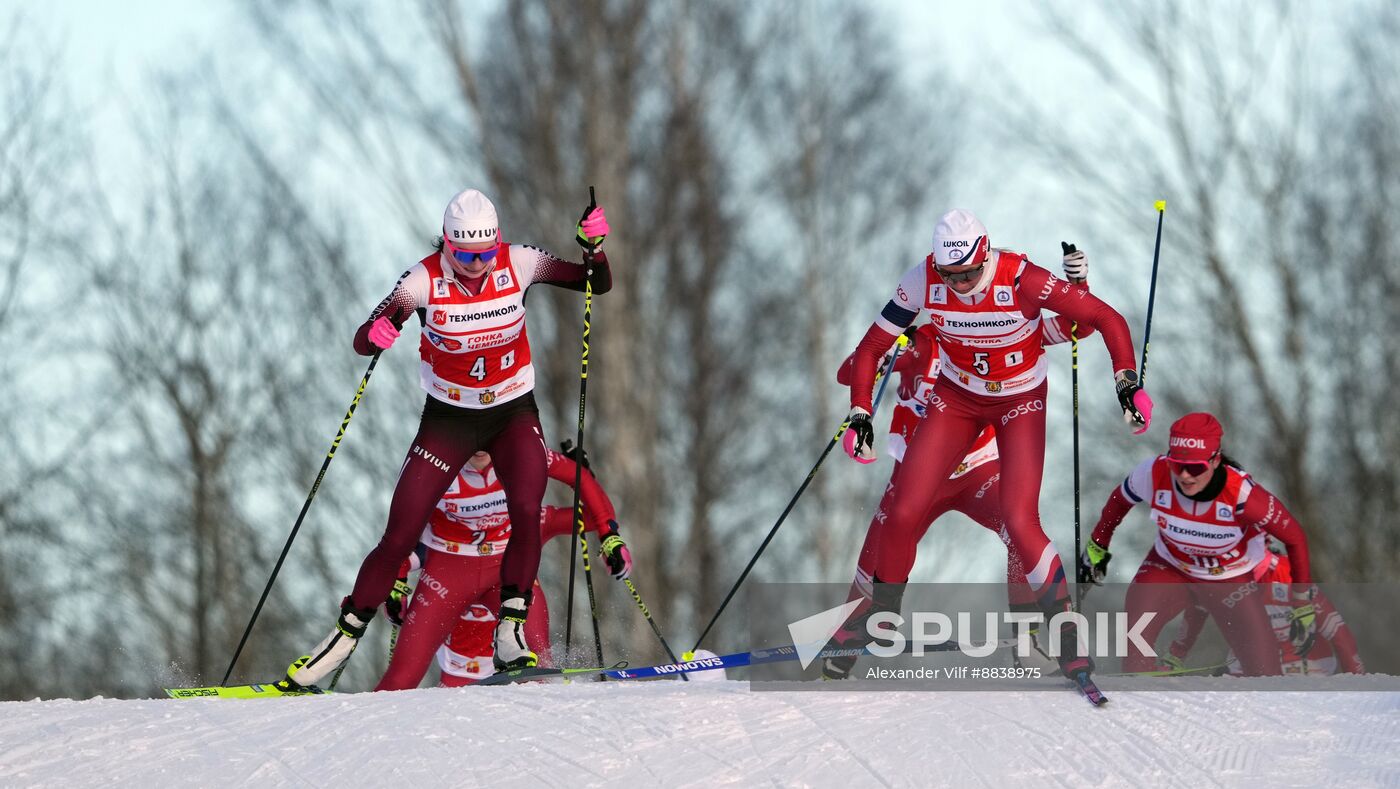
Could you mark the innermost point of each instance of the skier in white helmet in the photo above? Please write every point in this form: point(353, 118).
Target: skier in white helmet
point(469, 296)
point(986, 308)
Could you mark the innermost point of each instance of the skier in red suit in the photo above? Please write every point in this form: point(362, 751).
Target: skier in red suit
point(469, 296)
point(1333, 650)
point(976, 487)
point(459, 586)
point(985, 305)
point(1213, 522)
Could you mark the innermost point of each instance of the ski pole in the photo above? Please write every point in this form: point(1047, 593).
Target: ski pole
point(646, 614)
point(276, 568)
point(580, 539)
point(874, 407)
point(1161, 206)
point(1074, 387)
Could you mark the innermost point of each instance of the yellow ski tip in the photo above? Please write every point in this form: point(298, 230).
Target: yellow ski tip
point(1160, 205)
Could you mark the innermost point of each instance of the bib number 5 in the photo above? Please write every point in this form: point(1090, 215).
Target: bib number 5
point(984, 368)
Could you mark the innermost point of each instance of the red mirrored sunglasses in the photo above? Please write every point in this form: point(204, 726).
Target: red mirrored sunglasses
point(1194, 468)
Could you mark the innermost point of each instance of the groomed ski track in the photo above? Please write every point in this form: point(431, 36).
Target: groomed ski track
point(703, 734)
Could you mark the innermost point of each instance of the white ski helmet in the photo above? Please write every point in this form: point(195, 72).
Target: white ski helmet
point(470, 217)
point(959, 239)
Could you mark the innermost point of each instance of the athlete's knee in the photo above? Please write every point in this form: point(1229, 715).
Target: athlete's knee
point(900, 518)
point(397, 544)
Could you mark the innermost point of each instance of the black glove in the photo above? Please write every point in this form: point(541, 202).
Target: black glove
point(397, 604)
point(1302, 622)
point(576, 454)
point(1093, 563)
point(859, 441)
point(615, 553)
point(1136, 404)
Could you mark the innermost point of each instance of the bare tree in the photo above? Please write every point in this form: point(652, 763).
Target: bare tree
point(37, 468)
point(852, 189)
point(216, 288)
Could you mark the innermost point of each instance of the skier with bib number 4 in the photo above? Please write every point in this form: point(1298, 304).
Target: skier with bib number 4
point(469, 296)
point(985, 305)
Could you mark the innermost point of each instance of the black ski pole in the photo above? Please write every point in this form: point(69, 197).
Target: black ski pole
point(1161, 206)
point(276, 568)
point(646, 614)
point(1074, 388)
point(580, 539)
point(900, 343)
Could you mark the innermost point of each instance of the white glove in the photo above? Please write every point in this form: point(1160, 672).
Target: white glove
point(1075, 264)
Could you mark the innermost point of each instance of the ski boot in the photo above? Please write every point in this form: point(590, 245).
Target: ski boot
point(512, 653)
point(332, 652)
point(838, 668)
point(1073, 662)
point(1038, 658)
point(883, 597)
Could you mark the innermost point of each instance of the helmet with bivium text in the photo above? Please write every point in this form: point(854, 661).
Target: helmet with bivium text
point(470, 218)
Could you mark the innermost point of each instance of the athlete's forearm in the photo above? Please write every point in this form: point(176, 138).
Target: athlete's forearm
point(596, 504)
point(569, 275)
point(397, 306)
point(1057, 330)
point(866, 362)
point(1264, 510)
point(1114, 510)
point(559, 522)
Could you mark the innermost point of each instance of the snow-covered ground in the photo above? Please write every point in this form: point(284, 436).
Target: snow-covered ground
point(701, 734)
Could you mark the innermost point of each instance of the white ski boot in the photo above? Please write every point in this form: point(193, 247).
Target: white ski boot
point(512, 652)
point(333, 651)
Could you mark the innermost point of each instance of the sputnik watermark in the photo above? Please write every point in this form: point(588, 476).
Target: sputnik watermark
point(936, 631)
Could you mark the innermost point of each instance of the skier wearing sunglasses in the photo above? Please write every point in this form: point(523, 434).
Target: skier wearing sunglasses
point(1211, 550)
point(469, 296)
point(986, 306)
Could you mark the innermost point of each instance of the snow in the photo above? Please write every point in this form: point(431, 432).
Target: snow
point(699, 734)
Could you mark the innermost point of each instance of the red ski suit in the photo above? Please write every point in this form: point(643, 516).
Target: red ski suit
point(1210, 552)
point(460, 584)
point(993, 374)
point(1333, 652)
point(976, 489)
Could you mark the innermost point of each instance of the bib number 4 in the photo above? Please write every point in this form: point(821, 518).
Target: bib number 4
point(478, 369)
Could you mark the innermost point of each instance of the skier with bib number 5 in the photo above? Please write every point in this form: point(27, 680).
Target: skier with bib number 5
point(469, 295)
point(985, 305)
point(977, 491)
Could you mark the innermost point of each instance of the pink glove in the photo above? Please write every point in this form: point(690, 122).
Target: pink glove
point(596, 224)
point(1143, 401)
point(382, 333)
point(592, 229)
point(1136, 404)
point(859, 440)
